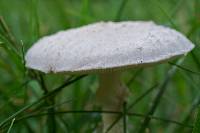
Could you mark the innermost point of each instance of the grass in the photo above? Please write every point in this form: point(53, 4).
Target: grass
point(163, 99)
point(197, 122)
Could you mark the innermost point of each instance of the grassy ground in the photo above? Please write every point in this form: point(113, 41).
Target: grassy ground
point(33, 102)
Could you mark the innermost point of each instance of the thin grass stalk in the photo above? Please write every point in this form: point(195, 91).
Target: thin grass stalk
point(11, 125)
point(103, 111)
point(196, 128)
point(124, 118)
point(8, 33)
point(120, 10)
point(56, 90)
point(132, 105)
point(161, 90)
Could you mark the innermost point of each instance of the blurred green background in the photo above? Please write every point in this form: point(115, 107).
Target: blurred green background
point(29, 102)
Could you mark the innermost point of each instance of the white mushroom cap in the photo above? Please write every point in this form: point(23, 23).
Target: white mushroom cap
point(106, 45)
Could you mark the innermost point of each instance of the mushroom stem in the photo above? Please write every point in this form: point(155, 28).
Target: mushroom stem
point(111, 96)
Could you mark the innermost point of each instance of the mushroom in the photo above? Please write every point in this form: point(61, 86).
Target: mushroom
point(107, 48)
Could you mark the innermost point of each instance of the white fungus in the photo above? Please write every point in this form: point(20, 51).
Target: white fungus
point(106, 45)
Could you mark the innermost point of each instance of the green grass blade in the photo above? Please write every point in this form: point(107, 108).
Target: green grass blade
point(11, 125)
point(124, 118)
point(106, 112)
point(196, 128)
point(170, 19)
point(161, 90)
point(58, 89)
point(7, 33)
point(120, 10)
point(34, 20)
point(132, 105)
point(84, 11)
point(185, 69)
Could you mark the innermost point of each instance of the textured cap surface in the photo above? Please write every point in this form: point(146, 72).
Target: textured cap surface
point(106, 45)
